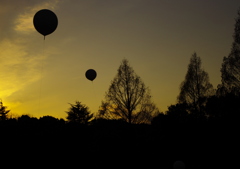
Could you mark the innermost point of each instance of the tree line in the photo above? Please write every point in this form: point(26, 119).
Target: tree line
point(128, 121)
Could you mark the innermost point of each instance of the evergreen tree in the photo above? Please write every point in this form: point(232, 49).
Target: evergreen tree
point(79, 113)
point(3, 111)
point(230, 71)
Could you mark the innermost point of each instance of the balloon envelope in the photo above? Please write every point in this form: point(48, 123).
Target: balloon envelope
point(91, 74)
point(45, 22)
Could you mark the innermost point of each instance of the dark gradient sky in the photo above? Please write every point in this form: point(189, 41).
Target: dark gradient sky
point(158, 38)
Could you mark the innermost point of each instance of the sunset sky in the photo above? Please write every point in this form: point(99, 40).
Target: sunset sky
point(158, 38)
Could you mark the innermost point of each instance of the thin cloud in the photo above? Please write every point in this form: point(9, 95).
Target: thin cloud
point(18, 66)
point(18, 70)
point(24, 21)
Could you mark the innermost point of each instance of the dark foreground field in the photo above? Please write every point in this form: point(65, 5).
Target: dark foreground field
point(114, 144)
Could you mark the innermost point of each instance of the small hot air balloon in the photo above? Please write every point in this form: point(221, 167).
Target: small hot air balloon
point(91, 74)
point(45, 22)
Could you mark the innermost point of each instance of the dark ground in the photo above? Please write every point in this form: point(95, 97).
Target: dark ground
point(113, 144)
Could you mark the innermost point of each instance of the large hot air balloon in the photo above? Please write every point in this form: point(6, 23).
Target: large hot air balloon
point(45, 22)
point(91, 74)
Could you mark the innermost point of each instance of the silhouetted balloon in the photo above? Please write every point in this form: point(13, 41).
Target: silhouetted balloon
point(91, 74)
point(45, 22)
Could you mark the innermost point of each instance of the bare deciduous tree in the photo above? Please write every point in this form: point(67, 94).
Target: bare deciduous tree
point(196, 85)
point(128, 98)
point(230, 71)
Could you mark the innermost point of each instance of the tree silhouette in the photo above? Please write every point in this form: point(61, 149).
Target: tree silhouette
point(178, 110)
point(230, 71)
point(196, 86)
point(128, 98)
point(79, 113)
point(27, 120)
point(50, 120)
point(3, 111)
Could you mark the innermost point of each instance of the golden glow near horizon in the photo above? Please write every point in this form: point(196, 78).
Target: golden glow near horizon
point(157, 37)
